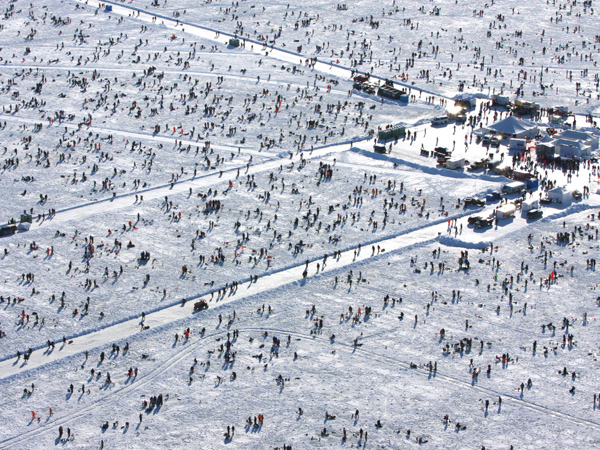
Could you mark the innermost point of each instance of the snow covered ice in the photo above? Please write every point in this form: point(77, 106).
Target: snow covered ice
point(351, 303)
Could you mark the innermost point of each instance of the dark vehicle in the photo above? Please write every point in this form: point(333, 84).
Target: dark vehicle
point(7, 230)
point(361, 78)
point(545, 201)
point(534, 214)
point(378, 148)
point(484, 223)
point(474, 201)
point(577, 195)
point(461, 118)
point(477, 165)
point(442, 150)
point(493, 197)
point(201, 305)
point(472, 220)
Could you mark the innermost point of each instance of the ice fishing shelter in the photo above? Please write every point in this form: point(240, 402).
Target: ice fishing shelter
point(560, 195)
point(465, 100)
point(517, 144)
point(530, 203)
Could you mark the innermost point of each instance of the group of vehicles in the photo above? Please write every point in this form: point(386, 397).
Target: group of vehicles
point(490, 140)
point(530, 207)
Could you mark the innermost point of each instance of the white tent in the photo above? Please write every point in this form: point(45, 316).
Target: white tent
point(514, 127)
point(580, 136)
point(571, 149)
point(560, 195)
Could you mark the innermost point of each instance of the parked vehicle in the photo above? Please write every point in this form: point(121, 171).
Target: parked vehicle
point(472, 220)
point(478, 165)
point(9, 229)
point(474, 201)
point(484, 223)
point(533, 214)
point(493, 197)
point(495, 141)
point(441, 120)
point(514, 187)
point(378, 148)
point(577, 195)
point(545, 201)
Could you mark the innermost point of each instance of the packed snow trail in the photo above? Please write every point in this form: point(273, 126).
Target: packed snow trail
point(271, 281)
point(123, 201)
point(209, 34)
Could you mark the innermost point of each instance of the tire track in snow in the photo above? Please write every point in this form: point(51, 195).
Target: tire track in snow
point(128, 389)
point(448, 378)
point(109, 398)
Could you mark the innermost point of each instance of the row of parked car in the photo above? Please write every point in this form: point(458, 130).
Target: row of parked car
point(490, 140)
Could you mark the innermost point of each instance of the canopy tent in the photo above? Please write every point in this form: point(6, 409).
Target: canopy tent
point(514, 127)
point(572, 149)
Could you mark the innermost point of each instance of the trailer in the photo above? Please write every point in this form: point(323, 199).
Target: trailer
point(506, 211)
point(529, 204)
point(390, 92)
point(500, 100)
point(392, 132)
point(514, 187)
point(455, 163)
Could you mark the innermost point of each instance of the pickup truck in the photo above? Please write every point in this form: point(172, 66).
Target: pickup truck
point(473, 201)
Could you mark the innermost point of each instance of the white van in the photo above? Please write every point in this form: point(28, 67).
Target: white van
point(441, 120)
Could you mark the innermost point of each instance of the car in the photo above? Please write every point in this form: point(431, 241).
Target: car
point(534, 214)
point(7, 230)
point(484, 223)
point(474, 201)
point(486, 140)
point(477, 165)
point(545, 201)
point(495, 141)
point(461, 118)
point(472, 220)
point(495, 196)
point(577, 195)
point(442, 150)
